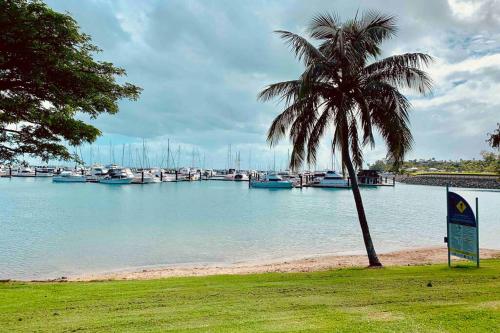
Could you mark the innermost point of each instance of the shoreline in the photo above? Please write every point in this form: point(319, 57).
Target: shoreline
point(485, 182)
point(408, 257)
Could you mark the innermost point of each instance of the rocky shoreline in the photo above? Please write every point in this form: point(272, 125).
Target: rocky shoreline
point(466, 181)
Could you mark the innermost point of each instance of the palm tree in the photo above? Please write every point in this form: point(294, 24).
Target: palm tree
point(347, 88)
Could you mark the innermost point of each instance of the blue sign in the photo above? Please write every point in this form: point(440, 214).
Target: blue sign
point(462, 227)
point(459, 211)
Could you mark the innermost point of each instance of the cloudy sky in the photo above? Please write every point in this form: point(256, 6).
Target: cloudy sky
point(202, 63)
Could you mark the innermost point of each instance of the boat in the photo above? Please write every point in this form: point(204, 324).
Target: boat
point(240, 177)
point(117, 175)
point(331, 179)
point(25, 172)
point(166, 176)
point(3, 171)
point(69, 177)
point(44, 172)
point(231, 173)
point(209, 173)
point(145, 177)
point(186, 174)
point(96, 173)
point(271, 181)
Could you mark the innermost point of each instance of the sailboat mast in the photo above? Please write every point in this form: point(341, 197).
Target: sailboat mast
point(274, 161)
point(168, 153)
point(123, 154)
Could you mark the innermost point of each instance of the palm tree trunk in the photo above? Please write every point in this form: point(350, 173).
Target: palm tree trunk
point(370, 249)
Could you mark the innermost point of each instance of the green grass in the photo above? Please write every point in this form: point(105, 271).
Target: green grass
point(463, 299)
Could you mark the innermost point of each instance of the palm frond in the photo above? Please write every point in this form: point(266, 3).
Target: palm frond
point(404, 77)
point(286, 91)
point(378, 26)
point(316, 134)
point(414, 60)
point(301, 47)
point(390, 116)
point(365, 119)
point(300, 132)
point(284, 120)
point(324, 26)
point(357, 154)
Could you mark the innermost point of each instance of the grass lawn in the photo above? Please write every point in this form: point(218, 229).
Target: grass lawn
point(408, 299)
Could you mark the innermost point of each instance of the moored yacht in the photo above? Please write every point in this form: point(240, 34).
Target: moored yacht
point(240, 176)
point(44, 172)
point(25, 172)
point(96, 173)
point(69, 177)
point(271, 181)
point(3, 171)
point(331, 179)
point(117, 175)
point(231, 173)
point(145, 177)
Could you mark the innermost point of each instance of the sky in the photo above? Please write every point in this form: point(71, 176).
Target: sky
point(202, 63)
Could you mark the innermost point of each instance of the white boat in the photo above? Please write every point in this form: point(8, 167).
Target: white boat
point(168, 177)
point(271, 181)
point(145, 177)
point(240, 177)
point(96, 173)
point(117, 175)
point(25, 172)
point(44, 172)
point(188, 174)
point(195, 175)
point(69, 177)
point(209, 173)
point(331, 179)
point(164, 176)
point(231, 173)
point(3, 171)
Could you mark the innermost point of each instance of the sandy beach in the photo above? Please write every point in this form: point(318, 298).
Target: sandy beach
point(420, 256)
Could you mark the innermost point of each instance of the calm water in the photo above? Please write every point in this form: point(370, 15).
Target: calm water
point(49, 230)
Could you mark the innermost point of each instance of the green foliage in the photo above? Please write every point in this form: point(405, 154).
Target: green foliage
point(494, 138)
point(490, 163)
point(395, 299)
point(47, 77)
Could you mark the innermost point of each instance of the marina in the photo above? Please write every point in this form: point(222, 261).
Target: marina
point(51, 230)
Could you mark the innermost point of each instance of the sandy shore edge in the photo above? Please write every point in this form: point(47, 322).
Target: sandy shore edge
point(419, 256)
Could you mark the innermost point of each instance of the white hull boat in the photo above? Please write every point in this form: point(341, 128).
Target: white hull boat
point(272, 181)
point(332, 179)
point(118, 181)
point(169, 177)
point(117, 176)
point(240, 177)
point(69, 177)
point(146, 178)
point(96, 173)
point(44, 172)
point(25, 172)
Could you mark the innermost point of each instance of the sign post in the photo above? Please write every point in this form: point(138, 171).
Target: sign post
point(462, 228)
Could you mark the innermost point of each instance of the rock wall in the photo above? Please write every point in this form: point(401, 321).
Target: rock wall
point(485, 182)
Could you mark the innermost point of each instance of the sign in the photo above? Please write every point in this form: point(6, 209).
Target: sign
point(462, 227)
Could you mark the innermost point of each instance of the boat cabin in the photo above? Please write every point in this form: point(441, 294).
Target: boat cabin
point(369, 177)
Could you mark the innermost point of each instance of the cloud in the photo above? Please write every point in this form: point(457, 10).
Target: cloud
point(202, 63)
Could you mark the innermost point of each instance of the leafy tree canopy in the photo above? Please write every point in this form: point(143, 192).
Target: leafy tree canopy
point(48, 76)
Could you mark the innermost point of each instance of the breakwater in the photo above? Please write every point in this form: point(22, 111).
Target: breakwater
point(466, 181)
